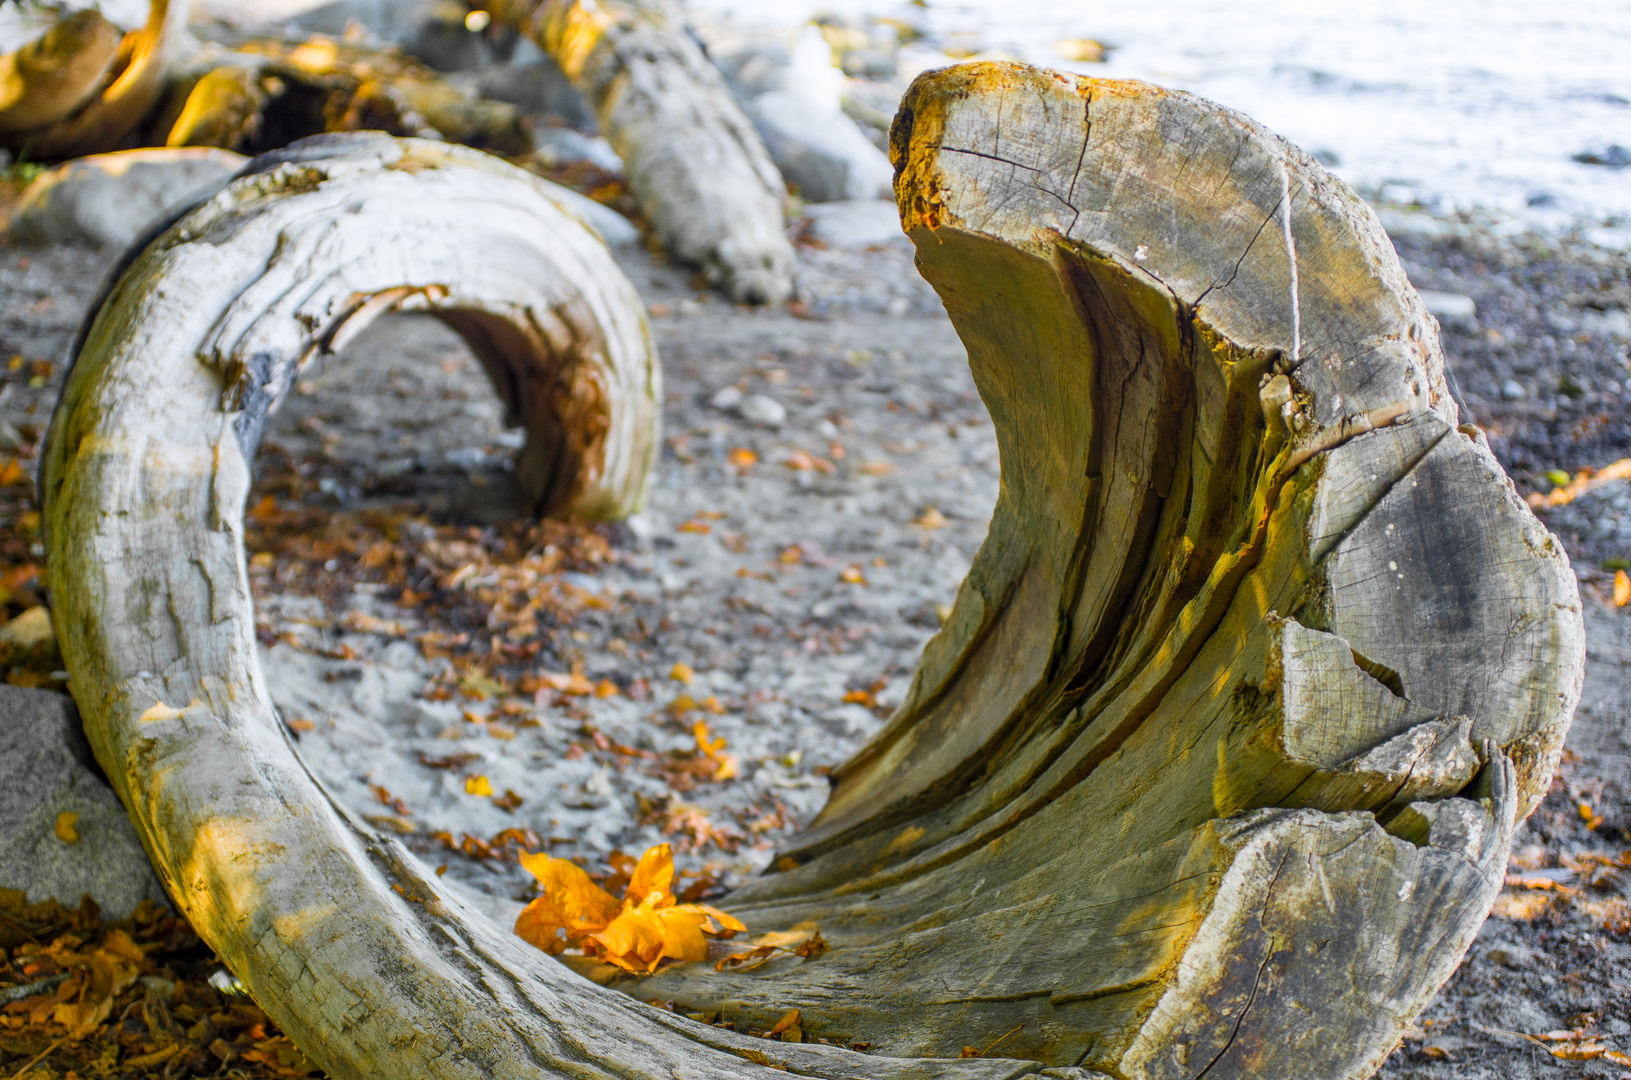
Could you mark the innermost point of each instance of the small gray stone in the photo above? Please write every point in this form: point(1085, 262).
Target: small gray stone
point(1451, 307)
point(112, 198)
point(1613, 156)
point(1512, 390)
point(855, 223)
point(726, 398)
point(613, 228)
point(820, 150)
point(556, 146)
point(761, 409)
point(46, 770)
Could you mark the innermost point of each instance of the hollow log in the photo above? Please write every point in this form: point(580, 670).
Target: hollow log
point(695, 162)
point(1213, 770)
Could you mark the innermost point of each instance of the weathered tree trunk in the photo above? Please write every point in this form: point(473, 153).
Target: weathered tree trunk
point(1213, 770)
point(279, 90)
point(695, 162)
point(111, 98)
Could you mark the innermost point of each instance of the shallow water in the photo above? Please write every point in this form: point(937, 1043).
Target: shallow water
point(1451, 105)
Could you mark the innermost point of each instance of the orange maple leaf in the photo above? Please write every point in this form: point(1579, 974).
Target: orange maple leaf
point(649, 926)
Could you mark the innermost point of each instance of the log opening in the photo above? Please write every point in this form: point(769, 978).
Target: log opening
point(1213, 770)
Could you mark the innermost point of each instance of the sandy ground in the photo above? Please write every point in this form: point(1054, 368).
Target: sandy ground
point(812, 574)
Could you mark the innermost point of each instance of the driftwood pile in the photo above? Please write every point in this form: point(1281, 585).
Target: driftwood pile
point(696, 166)
point(1212, 771)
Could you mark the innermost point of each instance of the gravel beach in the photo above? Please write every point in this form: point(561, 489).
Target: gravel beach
point(481, 683)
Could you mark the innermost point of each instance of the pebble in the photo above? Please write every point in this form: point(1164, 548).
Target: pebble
point(1614, 156)
point(726, 398)
point(1449, 306)
point(762, 409)
point(1512, 390)
point(854, 223)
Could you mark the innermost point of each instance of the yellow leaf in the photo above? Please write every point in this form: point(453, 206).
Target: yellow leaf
point(743, 459)
point(573, 685)
point(477, 785)
point(583, 904)
point(705, 743)
point(727, 922)
point(66, 831)
point(653, 874)
point(638, 935)
point(853, 575)
point(605, 688)
point(727, 768)
point(1622, 588)
point(790, 1019)
point(682, 673)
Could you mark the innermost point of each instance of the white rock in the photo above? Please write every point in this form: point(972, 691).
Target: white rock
point(563, 146)
point(46, 771)
point(1451, 306)
point(113, 198)
point(726, 398)
point(854, 223)
point(821, 150)
point(1611, 323)
point(812, 73)
point(612, 227)
point(1512, 390)
point(762, 409)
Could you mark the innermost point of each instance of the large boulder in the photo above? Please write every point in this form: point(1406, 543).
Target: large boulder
point(112, 198)
point(63, 833)
point(820, 149)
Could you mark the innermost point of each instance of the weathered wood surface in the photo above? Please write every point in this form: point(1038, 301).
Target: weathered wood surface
point(1187, 783)
point(146, 473)
point(78, 97)
point(272, 91)
point(1213, 770)
point(695, 163)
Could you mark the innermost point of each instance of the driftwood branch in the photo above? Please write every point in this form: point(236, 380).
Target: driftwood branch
point(695, 162)
point(110, 98)
point(1213, 770)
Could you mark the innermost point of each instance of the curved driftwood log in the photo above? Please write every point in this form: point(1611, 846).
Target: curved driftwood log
point(1213, 770)
point(695, 162)
point(112, 102)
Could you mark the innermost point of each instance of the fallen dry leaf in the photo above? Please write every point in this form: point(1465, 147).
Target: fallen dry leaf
point(67, 830)
point(1622, 588)
point(1584, 481)
point(682, 673)
point(648, 927)
point(800, 461)
point(743, 459)
point(478, 785)
point(852, 575)
point(877, 468)
point(930, 519)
